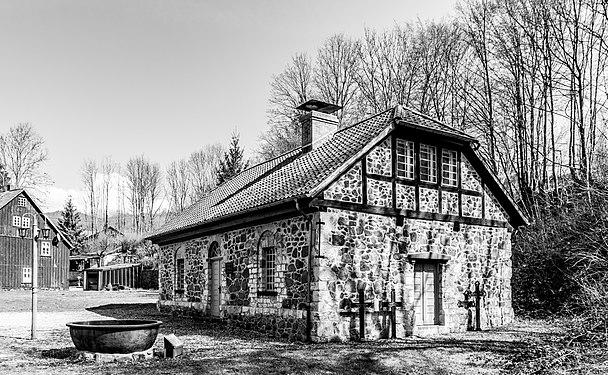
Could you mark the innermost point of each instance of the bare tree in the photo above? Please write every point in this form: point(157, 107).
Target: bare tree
point(476, 24)
point(120, 199)
point(288, 89)
point(144, 187)
point(108, 169)
point(89, 173)
point(154, 193)
point(178, 185)
point(4, 177)
point(334, 77)
point(22, 154)
point(201, 166)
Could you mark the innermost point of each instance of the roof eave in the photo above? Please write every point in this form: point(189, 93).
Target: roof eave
point(156, 238)
point(460, 137)
point(518, 218)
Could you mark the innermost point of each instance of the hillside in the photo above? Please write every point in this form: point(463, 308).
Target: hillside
point(126, 226)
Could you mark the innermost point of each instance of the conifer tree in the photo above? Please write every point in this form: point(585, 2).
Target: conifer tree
point(70, 225)
point(233, 162)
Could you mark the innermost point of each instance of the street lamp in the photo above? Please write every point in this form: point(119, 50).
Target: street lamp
point(45, 234)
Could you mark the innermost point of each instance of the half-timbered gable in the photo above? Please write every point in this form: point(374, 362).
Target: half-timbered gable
point(396, 206)
point(419, 177)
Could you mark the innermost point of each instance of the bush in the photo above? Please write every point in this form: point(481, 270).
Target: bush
point(560, 263)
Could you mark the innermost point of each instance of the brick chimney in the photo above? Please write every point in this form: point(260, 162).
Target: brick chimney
point(318, 121)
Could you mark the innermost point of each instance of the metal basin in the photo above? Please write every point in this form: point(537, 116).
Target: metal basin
point(114, 336)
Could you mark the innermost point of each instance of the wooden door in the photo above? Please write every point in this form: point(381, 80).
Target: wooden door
point(426, 293)
point(214, 286)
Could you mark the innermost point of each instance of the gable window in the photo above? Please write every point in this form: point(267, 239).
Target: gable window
point(449, 168)
point(17, 221)
point(267, 262)
point(405, 159)
point(21, 201)
point(428, 163)
point(25, 222)
point(45, 249)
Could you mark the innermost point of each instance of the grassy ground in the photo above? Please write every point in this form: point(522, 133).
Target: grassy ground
point(219, 349)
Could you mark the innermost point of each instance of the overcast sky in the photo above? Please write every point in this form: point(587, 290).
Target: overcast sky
point(121, 78)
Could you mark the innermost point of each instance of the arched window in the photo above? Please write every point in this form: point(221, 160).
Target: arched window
point(267, 256)
point(214, 250)
point(180, 270)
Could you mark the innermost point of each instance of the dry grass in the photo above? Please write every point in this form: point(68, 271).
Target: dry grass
point(219, 349)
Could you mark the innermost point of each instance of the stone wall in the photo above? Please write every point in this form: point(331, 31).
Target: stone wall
point(379, 159)
point(370, 252)
point(240, 300)
point(348, 188)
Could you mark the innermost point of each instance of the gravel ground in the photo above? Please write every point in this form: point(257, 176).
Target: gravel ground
point(220, 349)
point(56, 308)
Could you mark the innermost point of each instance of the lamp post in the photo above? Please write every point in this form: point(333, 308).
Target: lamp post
point(45, 234)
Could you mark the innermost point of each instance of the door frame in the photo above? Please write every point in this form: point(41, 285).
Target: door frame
point(212, 263)
point(437, 291)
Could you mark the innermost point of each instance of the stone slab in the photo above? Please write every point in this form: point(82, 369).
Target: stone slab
point(116, 357)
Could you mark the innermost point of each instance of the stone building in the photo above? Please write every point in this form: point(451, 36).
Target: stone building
point(397, 205)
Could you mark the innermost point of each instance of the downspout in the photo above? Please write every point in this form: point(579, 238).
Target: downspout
point(309, 286)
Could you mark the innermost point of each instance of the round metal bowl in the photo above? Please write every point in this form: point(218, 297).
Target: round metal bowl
point(114, 336)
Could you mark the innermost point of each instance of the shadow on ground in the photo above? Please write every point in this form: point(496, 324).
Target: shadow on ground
point(62, 353)
point(211, 344)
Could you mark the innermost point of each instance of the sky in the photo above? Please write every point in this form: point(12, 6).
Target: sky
point(101, 78)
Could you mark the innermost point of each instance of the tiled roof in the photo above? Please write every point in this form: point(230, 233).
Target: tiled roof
point(296, 174)
point(291, 175)
point(416, 119)
point(7, 196)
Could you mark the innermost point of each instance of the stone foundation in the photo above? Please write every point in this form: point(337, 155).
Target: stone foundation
point(108, 357)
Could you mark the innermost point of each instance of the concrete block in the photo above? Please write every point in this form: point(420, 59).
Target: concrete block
point(173, 346)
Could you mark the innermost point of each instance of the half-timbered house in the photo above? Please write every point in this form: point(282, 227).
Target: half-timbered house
point(18, 210)
point(398, 204)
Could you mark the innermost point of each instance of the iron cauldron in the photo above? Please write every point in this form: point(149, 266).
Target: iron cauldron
point(114, 336)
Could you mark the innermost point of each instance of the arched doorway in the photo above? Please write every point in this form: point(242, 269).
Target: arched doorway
point(215, 285)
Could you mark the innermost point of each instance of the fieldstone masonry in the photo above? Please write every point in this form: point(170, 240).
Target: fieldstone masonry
point(370, 252)
point(347, 188)
point(379, 193)
point(281, 313)
point(379, 159)
point(406, 196)
point(449, 203)
point(429, 200)
point(470, 177)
